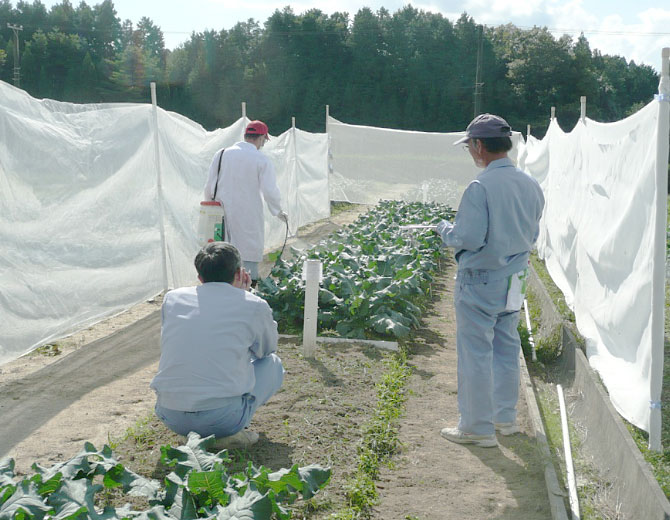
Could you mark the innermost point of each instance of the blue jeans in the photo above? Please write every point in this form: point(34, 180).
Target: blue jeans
point(488, 347)
point(235, 413)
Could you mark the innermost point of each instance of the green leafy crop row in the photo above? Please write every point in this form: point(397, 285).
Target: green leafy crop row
point(197, 487)
point(375, 276)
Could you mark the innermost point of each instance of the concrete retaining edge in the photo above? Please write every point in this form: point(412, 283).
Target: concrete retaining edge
point(611, 446)
point(608, 442)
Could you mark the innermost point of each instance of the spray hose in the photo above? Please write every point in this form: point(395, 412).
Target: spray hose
point(282, 247)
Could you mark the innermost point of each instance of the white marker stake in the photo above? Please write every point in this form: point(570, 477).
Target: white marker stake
point(572, 481)
point(311, 274)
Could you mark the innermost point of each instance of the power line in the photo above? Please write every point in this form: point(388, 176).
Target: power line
point(526, 27)
point(348, 29)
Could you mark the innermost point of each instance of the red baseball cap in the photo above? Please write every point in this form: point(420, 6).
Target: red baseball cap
point(257, 128)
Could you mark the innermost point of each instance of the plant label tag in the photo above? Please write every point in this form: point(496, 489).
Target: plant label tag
point(516, 290)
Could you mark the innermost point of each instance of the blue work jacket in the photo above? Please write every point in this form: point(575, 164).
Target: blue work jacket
point(497, 223)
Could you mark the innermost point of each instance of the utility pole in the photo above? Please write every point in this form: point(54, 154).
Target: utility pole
point(17, 65)
point(478, 74)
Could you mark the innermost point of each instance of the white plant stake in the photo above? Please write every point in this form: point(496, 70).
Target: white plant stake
point(311, 274)
point(530, 333)
point(572, 482)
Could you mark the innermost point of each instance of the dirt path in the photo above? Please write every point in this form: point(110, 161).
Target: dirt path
point(435, 479)
point(97, 392)
point(88, 395)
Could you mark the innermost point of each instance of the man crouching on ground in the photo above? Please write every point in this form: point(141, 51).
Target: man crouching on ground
point(217, 362)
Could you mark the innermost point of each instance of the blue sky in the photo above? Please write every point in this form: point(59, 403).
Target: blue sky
point(636, 30)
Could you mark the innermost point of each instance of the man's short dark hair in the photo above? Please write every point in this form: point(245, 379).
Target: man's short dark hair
point(253, 136)
point(496, 144)
point(218, 262)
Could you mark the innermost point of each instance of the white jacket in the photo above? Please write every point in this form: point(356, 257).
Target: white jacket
point(245, 175)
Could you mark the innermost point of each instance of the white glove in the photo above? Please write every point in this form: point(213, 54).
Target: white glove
point(282, 216)
point(443, 227)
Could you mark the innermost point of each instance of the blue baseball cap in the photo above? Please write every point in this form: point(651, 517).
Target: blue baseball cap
point(486, 125)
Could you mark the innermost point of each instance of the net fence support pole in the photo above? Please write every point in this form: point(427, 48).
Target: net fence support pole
point(329, 155)
point(244, 117)
point(660, 233)
point(159, 185)
point(293, 184)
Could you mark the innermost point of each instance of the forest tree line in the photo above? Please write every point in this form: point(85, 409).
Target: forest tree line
point(410, 69)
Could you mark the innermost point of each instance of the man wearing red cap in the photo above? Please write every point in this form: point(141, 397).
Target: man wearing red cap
point(238, 176)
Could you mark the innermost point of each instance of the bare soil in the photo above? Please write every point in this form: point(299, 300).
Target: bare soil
point(317, 417)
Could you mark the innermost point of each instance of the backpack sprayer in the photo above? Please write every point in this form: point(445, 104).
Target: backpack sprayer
point(212, 222)
point(212, 225)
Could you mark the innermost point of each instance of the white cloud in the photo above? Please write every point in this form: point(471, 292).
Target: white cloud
point(435, 7)
point(639, 39)
point(647, 49)
point(497, 12)
point(626, 34)
point(571, 15)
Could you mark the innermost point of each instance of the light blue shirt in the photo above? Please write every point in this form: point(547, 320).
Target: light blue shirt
point(497, 223)
point(209, 336)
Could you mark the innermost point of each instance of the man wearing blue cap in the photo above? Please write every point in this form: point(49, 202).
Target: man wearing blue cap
point(493, 233)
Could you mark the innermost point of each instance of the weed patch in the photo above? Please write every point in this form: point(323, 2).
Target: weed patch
point(555, 293)
point(380, 440)
point(549, 347)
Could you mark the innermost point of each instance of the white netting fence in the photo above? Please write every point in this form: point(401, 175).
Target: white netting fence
point(79, 207)
point(369, 164)
point(598, 238)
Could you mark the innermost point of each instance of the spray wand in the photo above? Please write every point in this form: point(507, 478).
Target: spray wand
point(285, 240)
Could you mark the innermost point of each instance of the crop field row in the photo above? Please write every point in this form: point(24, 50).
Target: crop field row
point(375, 276)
